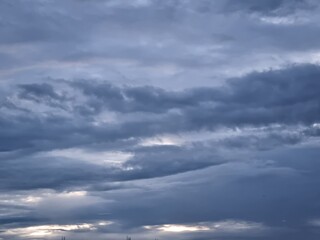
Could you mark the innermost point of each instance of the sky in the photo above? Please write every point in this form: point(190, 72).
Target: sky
point(160, 119)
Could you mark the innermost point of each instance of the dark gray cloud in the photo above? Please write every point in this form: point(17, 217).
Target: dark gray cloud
point(154, 42)
point(288, 96)
point(279, 106)
point(175, 119)
point(270, 7)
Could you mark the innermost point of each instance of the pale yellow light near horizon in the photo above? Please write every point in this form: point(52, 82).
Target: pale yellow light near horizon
point(182, 228)
point(222, 226)
point(47, 230)
point(178, 228)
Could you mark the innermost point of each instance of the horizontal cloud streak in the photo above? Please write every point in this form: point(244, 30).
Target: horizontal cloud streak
point(288, 96)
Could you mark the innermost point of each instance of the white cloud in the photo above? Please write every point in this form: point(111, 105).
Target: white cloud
point(110, 158)
point(48, 230)
point(221, 226)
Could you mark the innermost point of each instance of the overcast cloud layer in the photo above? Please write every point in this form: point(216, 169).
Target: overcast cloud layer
point(166, 119)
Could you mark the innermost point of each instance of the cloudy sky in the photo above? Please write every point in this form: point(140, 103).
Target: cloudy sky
point(166, 119)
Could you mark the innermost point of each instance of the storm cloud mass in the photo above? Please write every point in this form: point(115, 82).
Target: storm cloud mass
point(166, 119)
